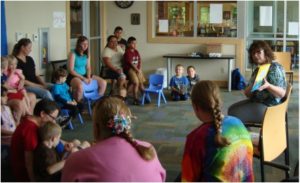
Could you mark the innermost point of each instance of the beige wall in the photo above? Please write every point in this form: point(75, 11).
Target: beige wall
point(27, 17)
point(152, 53)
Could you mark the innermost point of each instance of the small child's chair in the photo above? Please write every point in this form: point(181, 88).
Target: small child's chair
point(155, 86)
point(90, 93)
point(66, 112)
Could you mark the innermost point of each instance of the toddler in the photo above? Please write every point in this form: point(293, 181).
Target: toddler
point(132, 68)
point(47, 164)
point(179, 84)
point(192, 77)
point(62, 95)
point(220, 149)
point(15, 80)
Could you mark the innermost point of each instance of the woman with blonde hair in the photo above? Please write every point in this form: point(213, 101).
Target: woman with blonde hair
point(220, 149)
point(116, 155)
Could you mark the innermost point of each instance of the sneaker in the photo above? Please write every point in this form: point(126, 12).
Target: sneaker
point(63, 121)
point(136, 102)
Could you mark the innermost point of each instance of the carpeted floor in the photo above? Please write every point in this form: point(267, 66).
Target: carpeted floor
point(167, 126)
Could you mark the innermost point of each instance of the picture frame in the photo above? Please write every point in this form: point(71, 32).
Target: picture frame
point(135, 19)
point(226, 15)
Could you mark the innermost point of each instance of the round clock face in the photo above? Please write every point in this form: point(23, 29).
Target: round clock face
point(124, 4)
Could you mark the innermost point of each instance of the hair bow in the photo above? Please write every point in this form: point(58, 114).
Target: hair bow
point(119, 123)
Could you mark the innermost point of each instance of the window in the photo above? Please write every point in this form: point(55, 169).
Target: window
point(193, 18)
point(281, 31)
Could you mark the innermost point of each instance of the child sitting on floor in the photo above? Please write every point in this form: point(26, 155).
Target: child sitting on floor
point(192, 77)
point(179, 84)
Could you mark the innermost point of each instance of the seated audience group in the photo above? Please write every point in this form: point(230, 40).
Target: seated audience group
point(219, 149)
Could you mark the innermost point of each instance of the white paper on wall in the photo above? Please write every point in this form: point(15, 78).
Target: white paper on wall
point(265, 16)
point(293, 28)
point(216, 13)
point(163, 25)
point(59, 20)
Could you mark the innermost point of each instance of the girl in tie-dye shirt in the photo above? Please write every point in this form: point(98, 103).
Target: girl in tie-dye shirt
point(220, 149)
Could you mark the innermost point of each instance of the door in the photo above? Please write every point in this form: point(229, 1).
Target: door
point(85, 20)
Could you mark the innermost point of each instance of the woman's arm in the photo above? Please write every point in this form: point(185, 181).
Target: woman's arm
point(88, 68)
point(71, 62)
point(277, 91)
point(56, 167)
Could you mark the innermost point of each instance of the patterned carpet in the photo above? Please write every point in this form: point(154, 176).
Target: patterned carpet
point(167, 126)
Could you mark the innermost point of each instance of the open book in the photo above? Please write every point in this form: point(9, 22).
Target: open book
point(261, 74)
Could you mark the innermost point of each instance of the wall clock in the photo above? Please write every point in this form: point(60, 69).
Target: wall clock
point(124, 4)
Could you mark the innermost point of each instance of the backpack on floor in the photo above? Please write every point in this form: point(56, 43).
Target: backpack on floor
point(238, 80)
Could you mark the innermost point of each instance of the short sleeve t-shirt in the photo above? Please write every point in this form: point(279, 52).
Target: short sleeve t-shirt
point(28, 69)
point(115, 56)
point(24, 139)
point(131, 57)
point(43, 158)
point(275, 76)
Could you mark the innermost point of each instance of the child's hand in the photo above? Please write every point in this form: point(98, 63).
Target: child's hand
point(69, 146)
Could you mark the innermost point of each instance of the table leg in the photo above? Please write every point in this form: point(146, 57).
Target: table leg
point(169, 70)
point(229, 75)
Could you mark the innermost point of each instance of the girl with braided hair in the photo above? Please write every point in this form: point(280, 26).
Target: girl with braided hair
point(116, 155)
point(220, 149)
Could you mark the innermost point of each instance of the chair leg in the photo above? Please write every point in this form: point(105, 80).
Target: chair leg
point(261, 158)
point(286, 152)
point(148, 97)
point(158, 99)
point(90, 108)
point(80, 118)
point(163, 96)
point(70, 125)
point(143, 98)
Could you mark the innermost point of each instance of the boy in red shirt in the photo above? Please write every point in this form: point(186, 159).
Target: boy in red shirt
point(132, 68)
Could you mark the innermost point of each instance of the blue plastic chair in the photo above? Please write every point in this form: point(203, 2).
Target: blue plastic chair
point(90, 93)
point(66, 112)
point(155, 86)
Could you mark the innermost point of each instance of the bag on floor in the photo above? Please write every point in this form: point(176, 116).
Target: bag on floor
point(238, 80)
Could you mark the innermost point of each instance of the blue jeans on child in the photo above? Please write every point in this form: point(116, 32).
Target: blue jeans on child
point(177, 96)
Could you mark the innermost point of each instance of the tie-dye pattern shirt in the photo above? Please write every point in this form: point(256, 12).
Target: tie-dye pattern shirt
point(203, 160)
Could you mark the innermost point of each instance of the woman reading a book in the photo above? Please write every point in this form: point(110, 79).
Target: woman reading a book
point(266, 87)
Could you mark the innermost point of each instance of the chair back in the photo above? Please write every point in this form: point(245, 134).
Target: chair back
point(274, 128)
point(90, 91)
point(285, 59)
point(156, 82)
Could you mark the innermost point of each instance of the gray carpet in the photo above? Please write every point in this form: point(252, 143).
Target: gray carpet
point(167, 126)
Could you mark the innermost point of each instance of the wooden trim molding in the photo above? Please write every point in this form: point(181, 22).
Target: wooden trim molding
point(237, 42)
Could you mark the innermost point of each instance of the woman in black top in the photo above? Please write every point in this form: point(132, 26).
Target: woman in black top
point(33, 82)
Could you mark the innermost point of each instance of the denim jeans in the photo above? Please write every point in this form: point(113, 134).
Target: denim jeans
point(41, 92)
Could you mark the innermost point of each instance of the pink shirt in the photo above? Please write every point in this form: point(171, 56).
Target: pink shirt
point(14, 78)
point(112, 160)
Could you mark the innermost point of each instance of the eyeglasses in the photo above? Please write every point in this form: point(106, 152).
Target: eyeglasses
point(53, 118)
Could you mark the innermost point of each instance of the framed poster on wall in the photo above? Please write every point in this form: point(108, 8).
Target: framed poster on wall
point(44, 47)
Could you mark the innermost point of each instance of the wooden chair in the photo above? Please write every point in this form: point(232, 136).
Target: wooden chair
point(273, 137)
point(285, 59)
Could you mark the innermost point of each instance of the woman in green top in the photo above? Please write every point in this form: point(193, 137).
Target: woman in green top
point(79, 67)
